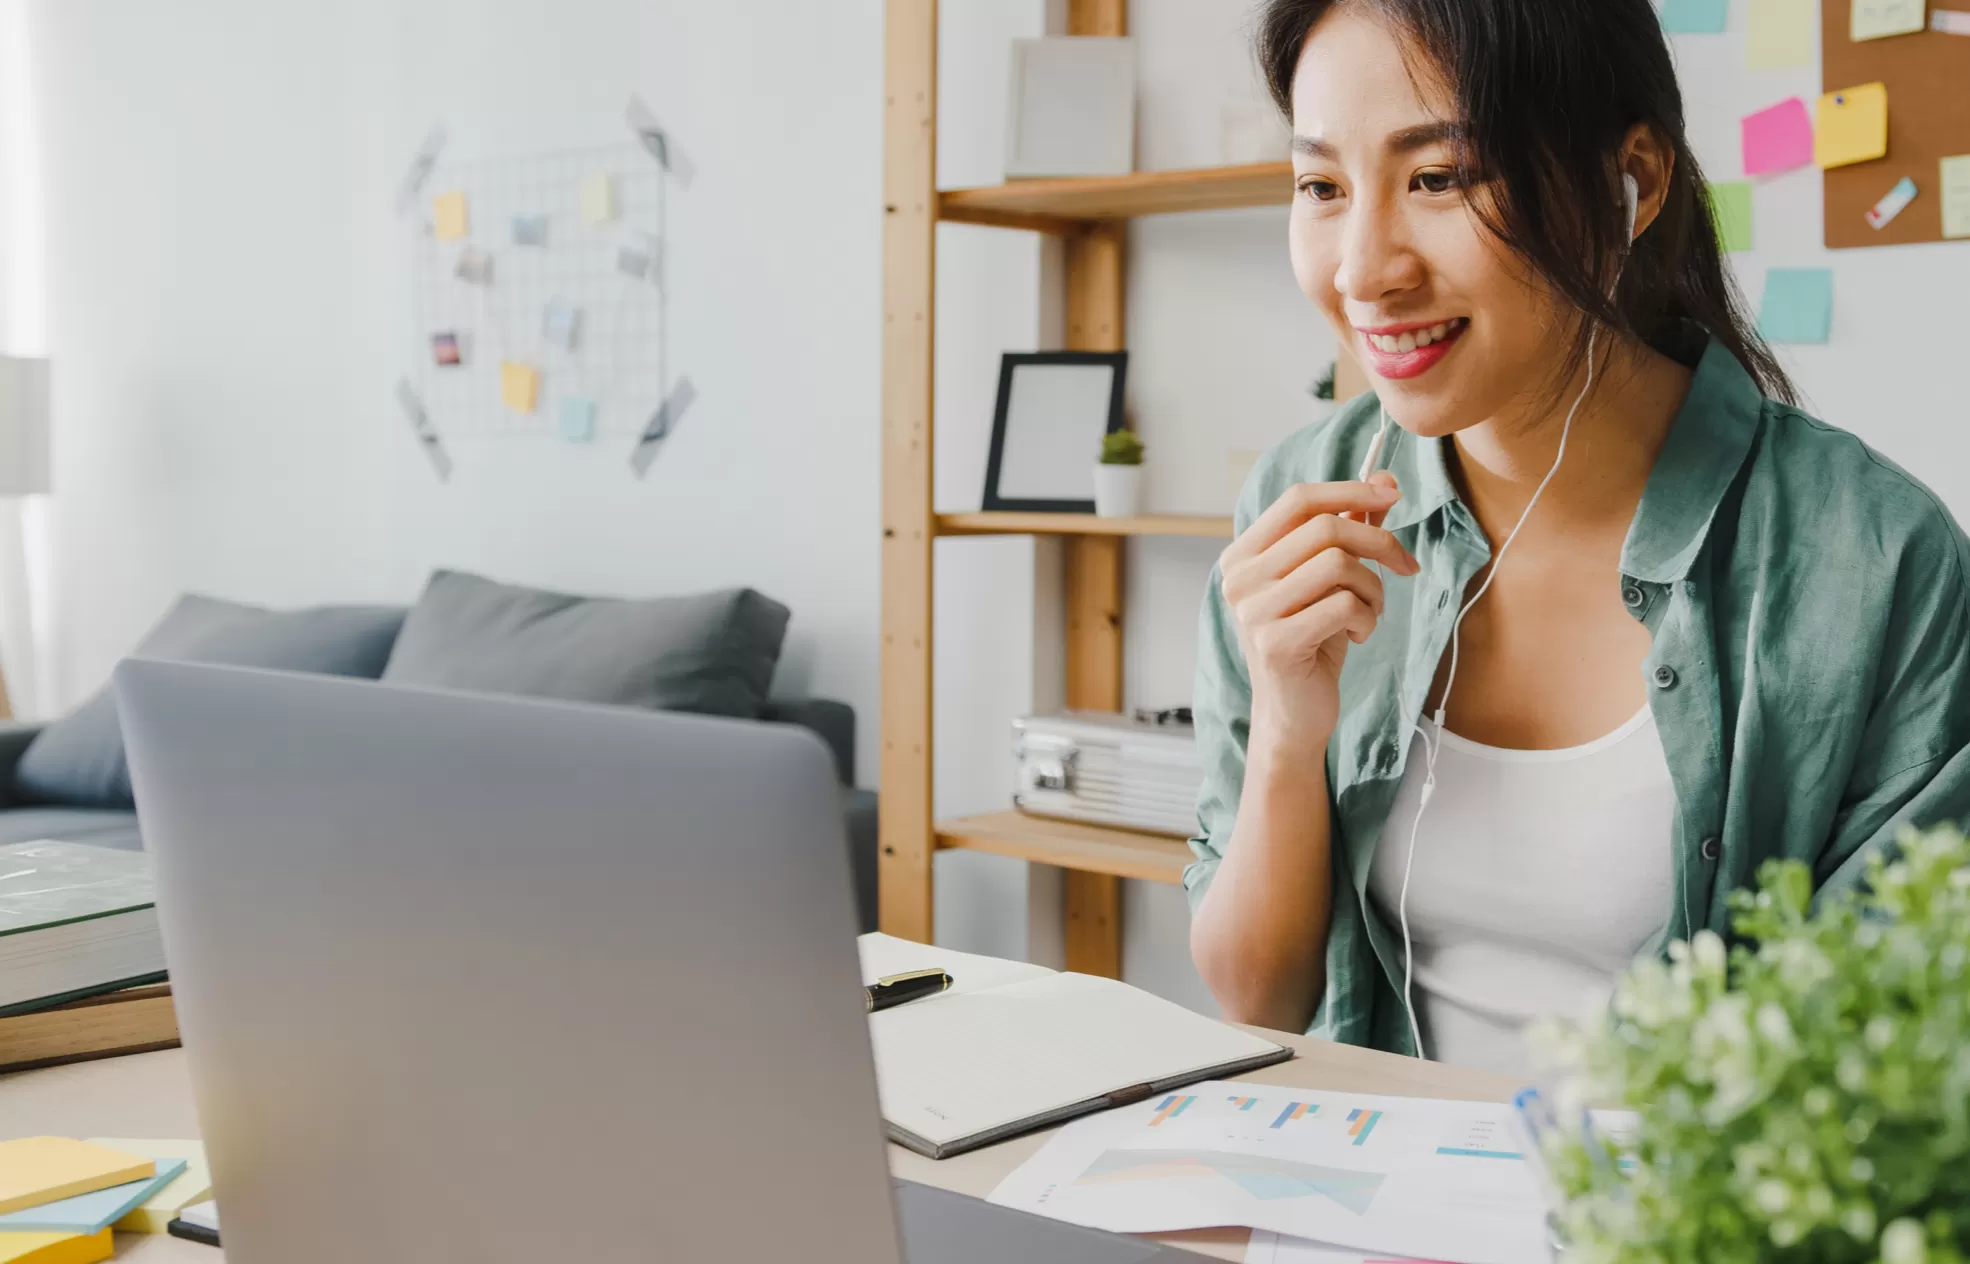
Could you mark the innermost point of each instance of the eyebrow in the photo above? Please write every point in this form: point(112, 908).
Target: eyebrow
point(1408, 140)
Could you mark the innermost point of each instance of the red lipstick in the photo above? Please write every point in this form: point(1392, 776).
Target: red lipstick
point(1391, 362)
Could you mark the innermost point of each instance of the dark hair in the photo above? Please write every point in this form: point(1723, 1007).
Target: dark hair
point(1548, 90)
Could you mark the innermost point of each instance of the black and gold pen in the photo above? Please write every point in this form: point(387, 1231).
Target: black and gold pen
point(898, 988)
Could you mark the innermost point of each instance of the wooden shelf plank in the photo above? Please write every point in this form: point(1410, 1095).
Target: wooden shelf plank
point(1004, 523)
point(1064, 206)
point(1087, 848)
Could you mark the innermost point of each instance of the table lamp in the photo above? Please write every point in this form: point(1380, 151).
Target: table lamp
point(23, 445)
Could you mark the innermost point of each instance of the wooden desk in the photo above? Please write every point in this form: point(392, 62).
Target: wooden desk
point(148, 1095)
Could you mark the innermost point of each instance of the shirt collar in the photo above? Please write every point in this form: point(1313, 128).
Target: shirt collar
point(1701, 457)
point(1702, 454)
point(1423, 475)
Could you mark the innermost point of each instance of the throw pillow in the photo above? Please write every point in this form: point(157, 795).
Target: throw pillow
point(78, 760)
point(712, 653)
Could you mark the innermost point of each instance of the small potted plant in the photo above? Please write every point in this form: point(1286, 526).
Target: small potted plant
point(1322, 390)
point(1804, 1095)
point(1118, 476)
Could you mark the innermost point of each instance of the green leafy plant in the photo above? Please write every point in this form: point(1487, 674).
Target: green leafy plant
point(1804, 1096)
point(1323, 386)
point(1121, 447)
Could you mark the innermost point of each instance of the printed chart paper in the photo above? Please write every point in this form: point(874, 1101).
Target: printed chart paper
point(1391, 1176)
point(1271, 1248)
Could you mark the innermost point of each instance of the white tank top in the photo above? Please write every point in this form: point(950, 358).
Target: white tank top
point(1539, 875)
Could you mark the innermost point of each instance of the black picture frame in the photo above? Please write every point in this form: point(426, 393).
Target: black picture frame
point(1009, 364)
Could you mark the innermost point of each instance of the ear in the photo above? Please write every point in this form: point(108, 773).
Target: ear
point(1647, 160)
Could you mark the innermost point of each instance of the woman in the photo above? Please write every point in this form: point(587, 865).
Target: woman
point(1726, 632)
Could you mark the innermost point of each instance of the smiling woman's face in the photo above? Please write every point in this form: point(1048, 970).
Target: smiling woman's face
point(1452, 327)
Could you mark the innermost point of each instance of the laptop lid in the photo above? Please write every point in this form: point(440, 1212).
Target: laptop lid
point(464, 977)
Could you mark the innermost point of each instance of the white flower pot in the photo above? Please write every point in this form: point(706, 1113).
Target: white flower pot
point(1117, 490)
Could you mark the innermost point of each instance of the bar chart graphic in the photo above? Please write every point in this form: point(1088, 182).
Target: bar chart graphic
point(1361, 1122)
point(1170, 1107)
point(1243, 1103)
point(1263, 1176)
point(1293, 1111)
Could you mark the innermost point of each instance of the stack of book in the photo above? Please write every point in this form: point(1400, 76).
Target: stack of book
point(60, 1198)
point(81, 963)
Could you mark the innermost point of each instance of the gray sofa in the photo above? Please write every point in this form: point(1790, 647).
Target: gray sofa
point(710, 653)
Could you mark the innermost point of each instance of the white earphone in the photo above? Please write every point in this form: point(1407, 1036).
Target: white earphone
point(1631, 200)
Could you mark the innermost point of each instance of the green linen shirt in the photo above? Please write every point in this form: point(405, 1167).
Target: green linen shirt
point(1809, 670)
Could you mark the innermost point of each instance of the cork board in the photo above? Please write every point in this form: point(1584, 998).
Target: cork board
point(1928, 78)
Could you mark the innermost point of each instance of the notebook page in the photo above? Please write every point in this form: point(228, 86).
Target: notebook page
point(884, 955)
point(987, 1059)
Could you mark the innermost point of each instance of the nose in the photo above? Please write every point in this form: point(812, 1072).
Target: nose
point(1378, 257)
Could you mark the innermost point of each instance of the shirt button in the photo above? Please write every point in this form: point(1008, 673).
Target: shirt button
point(1711, 848)
point(1665, 676)
point(1632, 596)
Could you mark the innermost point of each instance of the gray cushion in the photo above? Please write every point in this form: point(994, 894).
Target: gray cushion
point(712, 653)
point(78, 760)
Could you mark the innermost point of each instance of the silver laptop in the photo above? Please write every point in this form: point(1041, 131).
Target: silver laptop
point(482, 979)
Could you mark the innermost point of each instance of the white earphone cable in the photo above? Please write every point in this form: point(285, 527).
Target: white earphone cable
point(1432, 746)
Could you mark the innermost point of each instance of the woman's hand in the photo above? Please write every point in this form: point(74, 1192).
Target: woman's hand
point(1298, 591)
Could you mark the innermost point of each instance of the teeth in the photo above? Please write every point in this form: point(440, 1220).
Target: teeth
point(1397, 344)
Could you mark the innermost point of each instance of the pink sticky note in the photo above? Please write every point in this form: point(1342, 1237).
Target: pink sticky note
point(1778, 139)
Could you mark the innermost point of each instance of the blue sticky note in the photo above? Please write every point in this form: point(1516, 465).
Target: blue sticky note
point(577, 419)
point(91, 1213)
point(1695, 17)
point(1798, 305)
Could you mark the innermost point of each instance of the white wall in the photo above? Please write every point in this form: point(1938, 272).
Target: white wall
point(225, 299)
point(228, 305)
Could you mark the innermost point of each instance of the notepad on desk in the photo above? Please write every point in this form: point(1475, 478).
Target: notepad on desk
point(1013, 1047)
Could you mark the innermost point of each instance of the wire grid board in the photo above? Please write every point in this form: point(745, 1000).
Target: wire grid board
point(617, 359)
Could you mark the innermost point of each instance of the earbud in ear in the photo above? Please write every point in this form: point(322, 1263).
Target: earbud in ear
point(1631, 198)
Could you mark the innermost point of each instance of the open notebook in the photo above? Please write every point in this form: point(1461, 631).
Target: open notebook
point(1013, 1047)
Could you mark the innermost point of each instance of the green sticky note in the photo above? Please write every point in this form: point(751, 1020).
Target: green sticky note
point(1798, 305)
point(1730, 206)
point(1694, 17)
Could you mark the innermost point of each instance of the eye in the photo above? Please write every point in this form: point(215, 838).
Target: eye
point(1435, 181)
point(1320, 190)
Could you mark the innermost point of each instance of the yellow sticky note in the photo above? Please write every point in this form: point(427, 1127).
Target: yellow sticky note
point(519, 386)
point(1851, 126)
point(1955, 184)
point(36, 1170)
point(449, 215)
point(56, 1248)
point(192, 1185)
point(1778, 34)
point(598, 198)
point(1878, 19)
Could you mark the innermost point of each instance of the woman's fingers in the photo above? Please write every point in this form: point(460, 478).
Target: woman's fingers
point(1381, 478)
point(1301, 503)
point(1313, 538)
point(1309, 583)
point(1300, 637)
point(1327, 533)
